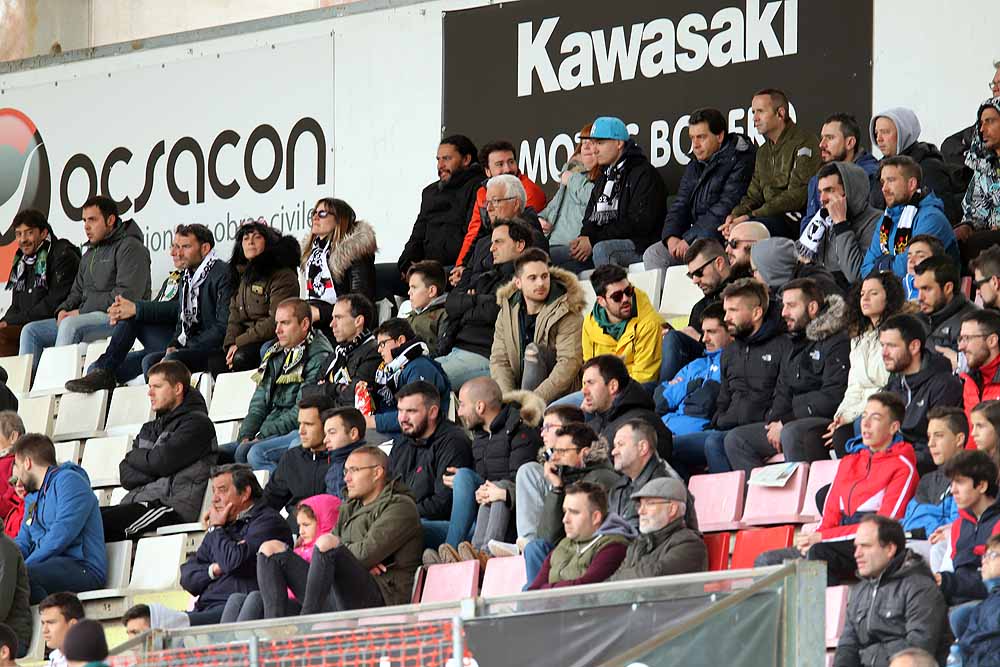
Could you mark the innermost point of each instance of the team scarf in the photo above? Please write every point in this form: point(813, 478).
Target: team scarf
point(190, 289)
point(813, 234)
point(387, 375)
point(903, 231)
point(336, 372)
point(606, 209)
point(18, 280)
point(319, 280)
point(291, 366)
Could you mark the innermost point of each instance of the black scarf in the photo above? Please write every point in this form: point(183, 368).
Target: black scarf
point(335, 372)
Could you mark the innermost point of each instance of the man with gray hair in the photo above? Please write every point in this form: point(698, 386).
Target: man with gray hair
point(11, 504)
point(913, 657)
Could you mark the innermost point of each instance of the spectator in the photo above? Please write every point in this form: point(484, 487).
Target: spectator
point(624, 323)
point(954, 148)
point(878, 476)
point(58, 612)
point(239, 523)
point(446, 206)
point(8, 646)
point(562, 217)
point(499, 158)
point(301, 472)
point(688, 401)
point(186, 322)
point(896, 132)
point(338, 257)
point(986, 277)
point(912, 210)
point(666, 545)
point(895, 606)
point(839, 141)
point(167, 469)
point(141, 618)
point(838, 234)
point(370, 558)
point(920, 377)
point(973, 476)
point(355, 357)
point(404, 360)
point(920, 248)
point(343, 432)
point(810, 387)
point(713, 184)
point(933, 506)
point(313, 517)
point(872, 301)
point(942, 304)
point(594, 545)
point(429, 448)
point(913, 657)
point(776, 262)
point(980, 341)
point(743, 236)
point(472, 307)
point(11, 502)
point(627, 204)
point(262, 272)
point(611, 398)
point(116, 264)
point(504, 439)
point(777, 193)
point(981, 203)
point(85, 645)
point(294, 362)
point(537, 340)
point(427, 296)
point(52, 263)
point(978, 639)
point(61, 536)
point(984, 426)
point(15, 612)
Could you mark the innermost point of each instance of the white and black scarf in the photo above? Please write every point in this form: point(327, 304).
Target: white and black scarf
point(388, 374)
point(813, 234)
point(190, 289)
point(336, 372)
point(606, 208)
point(319, 280)
point(37, 265)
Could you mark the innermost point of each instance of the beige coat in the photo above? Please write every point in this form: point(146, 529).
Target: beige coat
point(558, 327)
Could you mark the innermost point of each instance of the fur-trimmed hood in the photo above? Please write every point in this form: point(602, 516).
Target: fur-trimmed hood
point(532, 406)
point(831, 320)
point(359, 244)
point(574, 297)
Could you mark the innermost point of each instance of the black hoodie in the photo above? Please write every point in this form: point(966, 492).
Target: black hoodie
point(632, 403)
point(32, 304)
point(946, 323)
point(301, 474)
point(420, 464)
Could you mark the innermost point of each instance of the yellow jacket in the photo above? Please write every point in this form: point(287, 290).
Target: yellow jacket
point(640, 347)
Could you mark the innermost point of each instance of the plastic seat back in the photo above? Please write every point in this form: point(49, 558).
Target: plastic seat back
point(450, 582)
point(57, 366)
point(718, 500)
point(38, 413)
point(504, 576)
point(821, 473)
point(81, 415)
point(752, 543)
point(18, 373)
point(130, 409)
point(836, 613)
point(769, 505)
point(101, 457)
point(158, 563)
point(679, 292)
point(718, 551)
point(231, 396)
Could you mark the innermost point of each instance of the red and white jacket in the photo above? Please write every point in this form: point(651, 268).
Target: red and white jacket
point(980, 385)
point(869, 483)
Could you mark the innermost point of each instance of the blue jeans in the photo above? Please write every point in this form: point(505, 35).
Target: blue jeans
point(60, 573)
point(463, 512)
point(616, 251)
point(262, 454)
point(535, 553)
point(461, 366)
point(36, 336)
point(560, 257)
point(575, 399)
point(958, 617)
point(679, 350)
point(119, 357)
point(699, 450)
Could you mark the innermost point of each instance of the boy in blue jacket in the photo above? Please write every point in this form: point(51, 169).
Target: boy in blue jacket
point(933, 505)
point(979, 637)
point(61, 535)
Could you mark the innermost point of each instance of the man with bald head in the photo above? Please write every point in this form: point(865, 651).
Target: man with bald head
point(741, 239)
point(913, 657)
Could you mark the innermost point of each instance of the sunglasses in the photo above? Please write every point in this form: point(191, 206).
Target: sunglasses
point(622, 294)
point(735, 243)
point(700, 271)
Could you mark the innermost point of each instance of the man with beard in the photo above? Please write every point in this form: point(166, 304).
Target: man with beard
point(986, 276)
point(839, 141)
point(942, 304)
point(742, 238)
point(980, 341)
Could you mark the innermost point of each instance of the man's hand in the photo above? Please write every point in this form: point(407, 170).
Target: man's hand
point(837, 208)
point(551, 475)
point(963, 232)
point(837, 422)
point(580, 248)
point(230, 354)
point(950, 354)
point(449, 476)
point(171, 349)
point(377, 570)
point(677, 247)
point(217, 516)
point(546, 226)
point(456, 275)
point(216, 570)
point(370, 422)
point(940, 534)
point(937, 578)
point(691, 332)
point(804, 542)
point(490, 493)
point(731, 221)
point(327, 541)
point(63, 314)
point(774, 435)
point(121, 309)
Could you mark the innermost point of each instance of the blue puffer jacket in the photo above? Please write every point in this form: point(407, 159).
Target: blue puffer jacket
point(933, 505)
point(863, 159)
point(930, 219)
point(700, 380)
point(981, 640)
point(66, 521)
point(710, 190)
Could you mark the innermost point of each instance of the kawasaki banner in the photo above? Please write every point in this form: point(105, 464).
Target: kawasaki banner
point(535, 72)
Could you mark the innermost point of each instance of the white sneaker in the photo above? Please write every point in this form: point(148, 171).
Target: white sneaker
point(498, 548)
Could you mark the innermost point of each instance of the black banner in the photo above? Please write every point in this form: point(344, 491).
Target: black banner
point(536, 71)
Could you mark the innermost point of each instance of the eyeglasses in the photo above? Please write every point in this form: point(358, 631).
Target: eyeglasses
point(353, 470)
point(321, 214)
point(561, 450)
point(735, 243)
point(550, 427)
point(990, 555)
point(622, 294)
point(980, 283)
point(967, 337)
point(697, 273)
point(493, 203)
point(382, 343)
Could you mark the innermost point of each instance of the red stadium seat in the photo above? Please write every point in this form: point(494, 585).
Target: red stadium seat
point(718, 500)
point(450, 582)
point(504, 576)
point(967, 287)
point(769, 505)
point(718, 551)
point(754, 542)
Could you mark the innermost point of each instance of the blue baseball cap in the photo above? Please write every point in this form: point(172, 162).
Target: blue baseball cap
point(608, 127)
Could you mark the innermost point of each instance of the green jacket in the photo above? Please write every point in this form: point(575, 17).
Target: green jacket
point(781, 175)
point(427, 322)
point(673, 549)
point(570, 559)
point(388, 531)
point(274, 407)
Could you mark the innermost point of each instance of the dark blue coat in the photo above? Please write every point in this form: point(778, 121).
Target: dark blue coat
point(981, 640)
point(710, 190)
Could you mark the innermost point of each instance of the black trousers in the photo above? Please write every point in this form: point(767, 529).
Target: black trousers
point(131, 520)
point(839, 558)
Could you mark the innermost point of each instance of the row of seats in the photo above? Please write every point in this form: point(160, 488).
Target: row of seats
point(671, 290)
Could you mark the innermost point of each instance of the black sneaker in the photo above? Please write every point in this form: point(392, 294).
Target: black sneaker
point(91, 382)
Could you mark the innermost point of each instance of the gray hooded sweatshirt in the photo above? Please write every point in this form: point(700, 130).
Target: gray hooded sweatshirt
point(117, 265)
point(845, 250)
point(907, 127)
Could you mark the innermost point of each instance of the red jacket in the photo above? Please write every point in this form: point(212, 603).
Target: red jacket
point(536, 200)
point(867, 483)
point(11, 505)
point(980, 385)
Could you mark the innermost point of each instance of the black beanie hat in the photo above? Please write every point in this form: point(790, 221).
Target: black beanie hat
point(85, 642)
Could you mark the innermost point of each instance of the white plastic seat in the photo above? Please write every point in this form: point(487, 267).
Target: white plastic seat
point(38, 413)
point(94, 352)
point(18, 373)
point(205, 385)
point(232, 394)
point(36, 649)
point(226, 432)
point(69, 451)
point(57, 366)
point(195, 526)
point(81, 415)
point(117, 495)
point(405, 308)
point(589, 296)
point(119, 566)
point(262, 477)
point(650, 282)
point(130, 409)
point(680, 294)
point(101, 457)
point(158, 563)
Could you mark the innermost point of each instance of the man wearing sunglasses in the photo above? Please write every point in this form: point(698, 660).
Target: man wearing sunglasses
point(742, 237)
point(986, 277)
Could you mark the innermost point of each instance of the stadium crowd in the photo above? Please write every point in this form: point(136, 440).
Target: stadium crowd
point(834, 324)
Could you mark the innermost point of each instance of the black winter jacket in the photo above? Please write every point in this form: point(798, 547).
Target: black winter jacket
point(171, 458)
point(31, 305)
point(632, 403)
point(481, 258)
point(642, 203)
point(359, 365)
point(968, 542)
point(946, 324)
point(710, 190)
point(420, 464)
point(900, 608)
point(214, 298)
point(445, 211)
point(472, 311)
point(300, 474)
point(509, 444)
point(934, 384)
point(620, 495)
point(813, 376)
point(550, 525)
point(234, 547)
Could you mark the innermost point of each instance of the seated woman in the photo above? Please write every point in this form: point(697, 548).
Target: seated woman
point(338, 257)
point(562, 217)
point(263, 272)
